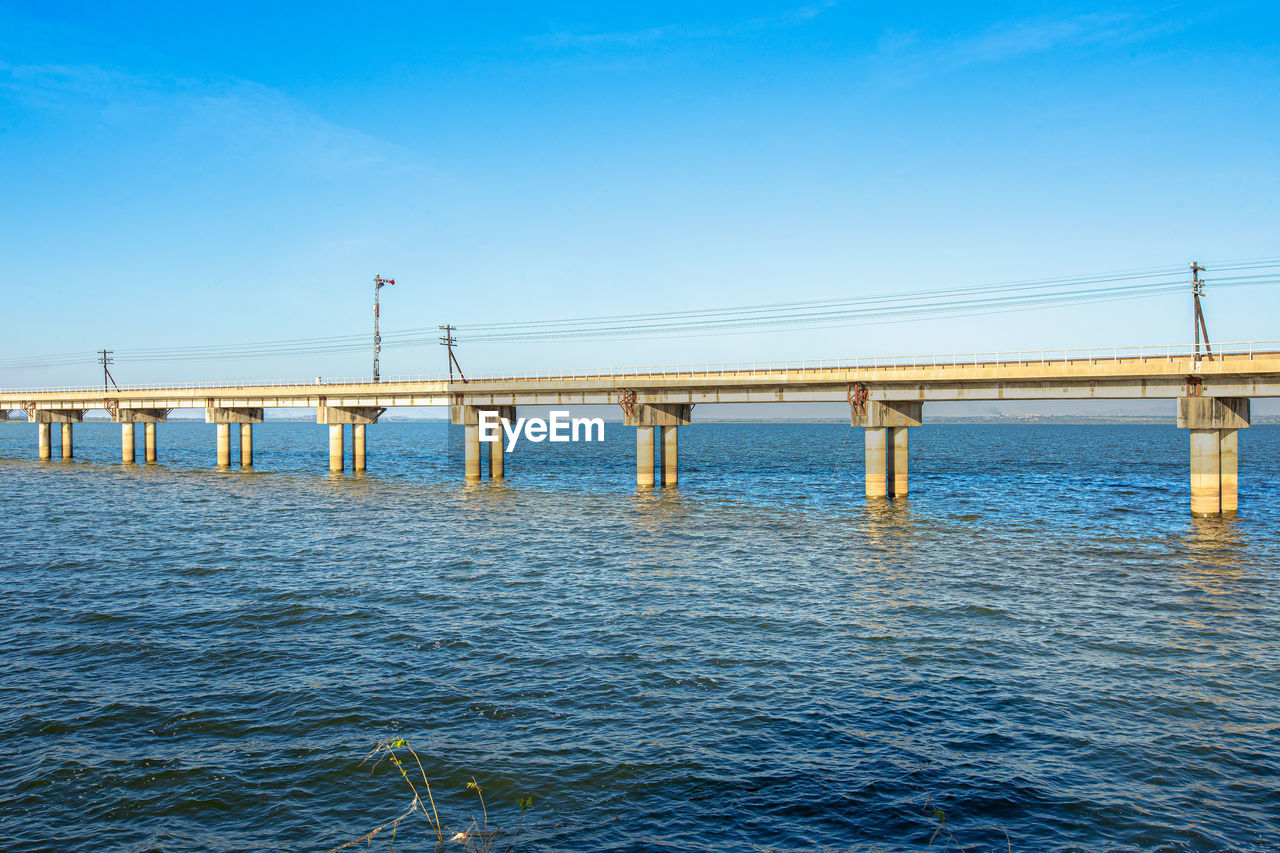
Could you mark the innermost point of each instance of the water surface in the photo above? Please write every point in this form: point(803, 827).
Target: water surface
point(1039, 642)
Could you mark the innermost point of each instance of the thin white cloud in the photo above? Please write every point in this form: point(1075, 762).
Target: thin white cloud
point(569, 39)
point(237, 116)
point(906, 56)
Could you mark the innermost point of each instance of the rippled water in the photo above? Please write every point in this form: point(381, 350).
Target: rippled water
point(1040, 642)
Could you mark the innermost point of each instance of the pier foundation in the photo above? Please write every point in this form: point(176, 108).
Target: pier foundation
point(1214, 424)
point(468, 417)
point(357, 417)
point(887, 445)
point(225, 417)
point(246, 445)
point(127, 444)
point(656, 428)
point(149, 442)
point(46, 441)
point(128, 420)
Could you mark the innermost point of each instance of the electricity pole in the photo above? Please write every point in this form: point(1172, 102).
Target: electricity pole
point(378, 283)
point(1197, 290)
point(448, 341)
point(104, 358)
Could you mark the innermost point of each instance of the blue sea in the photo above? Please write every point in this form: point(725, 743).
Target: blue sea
point(1038, 650)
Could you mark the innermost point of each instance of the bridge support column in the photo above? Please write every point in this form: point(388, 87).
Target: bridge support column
point(246, 445)
point(670, 455)
point(358, 417)
point(128, 418)
point(224, 417)
point(644, 456)
point(471, 451)
point(224, 445)
point(337, 450)
point(1228, 470)
point(878, 462)
point(887, 442)
point(47, 418)
point(901, 461)
point(1214, 424)
point(357, 447)
point(656, 424)
point(497, 458)
point(476, 436)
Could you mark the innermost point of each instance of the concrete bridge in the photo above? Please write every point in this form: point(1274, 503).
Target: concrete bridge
point(886, 397)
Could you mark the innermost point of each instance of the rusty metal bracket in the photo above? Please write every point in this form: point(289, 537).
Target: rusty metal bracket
point(29, 409)
point(113, 407)
point(627, 400)
point(457, 398)
point(858, 397)
point(1195, 386)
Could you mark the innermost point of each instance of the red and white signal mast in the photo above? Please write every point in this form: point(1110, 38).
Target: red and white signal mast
point(378, 283)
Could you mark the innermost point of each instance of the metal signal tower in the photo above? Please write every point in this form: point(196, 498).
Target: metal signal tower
point(378, 283)
point(104, 358)
point(1197, 290)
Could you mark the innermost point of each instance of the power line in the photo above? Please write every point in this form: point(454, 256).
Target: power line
point(970, 300)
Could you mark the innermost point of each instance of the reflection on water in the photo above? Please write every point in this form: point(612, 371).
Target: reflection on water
point(1040, 640)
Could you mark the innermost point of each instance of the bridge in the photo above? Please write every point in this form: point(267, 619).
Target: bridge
point(886, 397)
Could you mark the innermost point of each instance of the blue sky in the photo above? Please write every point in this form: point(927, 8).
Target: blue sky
point(175, 175)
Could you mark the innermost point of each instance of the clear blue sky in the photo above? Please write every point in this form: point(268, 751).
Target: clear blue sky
point(174, 174)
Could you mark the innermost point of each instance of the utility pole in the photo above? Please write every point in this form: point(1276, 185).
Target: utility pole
point(1197, 290)
point(378, 283)
point(448, 341)
point(104, 358)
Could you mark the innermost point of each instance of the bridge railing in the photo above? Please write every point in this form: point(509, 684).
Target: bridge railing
point(1094, 355)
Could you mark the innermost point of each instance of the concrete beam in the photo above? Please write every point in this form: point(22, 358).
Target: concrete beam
point(56, 416)
point(658, 415)
point(353, 415)
point(889, 413)
point(467, 415)
point(140, 416)
point(227, 415)
point(1213, 413)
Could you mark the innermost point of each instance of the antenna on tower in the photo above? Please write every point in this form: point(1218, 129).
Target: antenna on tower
point(1197, 290)
point(448, 341)
point(105, 358)
point(378, 283)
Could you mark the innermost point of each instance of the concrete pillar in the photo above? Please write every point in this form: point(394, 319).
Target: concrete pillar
point(879, 473)
point(126, 443)
point(224, 445)
point(357, 447)
point(497, 460)
point(644, 456)
point(1206, 492)
point(67, 451)
point(471, 451)
point(150, 441)
point(898, 438)
point(246, 445)
point(1228, 463)
point(46, 440)
point(337, 456)
point(670, 456)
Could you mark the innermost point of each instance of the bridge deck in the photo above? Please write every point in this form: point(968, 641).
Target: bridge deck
point(1237, 373)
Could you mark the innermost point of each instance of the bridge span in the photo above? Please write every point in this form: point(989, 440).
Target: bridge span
point(886, 397)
